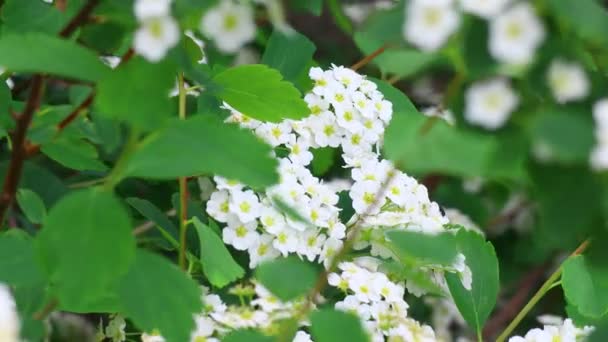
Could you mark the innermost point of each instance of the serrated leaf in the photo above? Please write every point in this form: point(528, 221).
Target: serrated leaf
point(31, 204)
point(287, 278)
point(330, 325)
point(74, 154)
point(423, 249)
point(156, 295)
point(36, 52)
point(201, 145)
point(476, 304)
point(260, 92)
point(85, 246)
point(289, 53)
point(144, 104)
point(18, 266)
point(218, 265)
point(585, 286)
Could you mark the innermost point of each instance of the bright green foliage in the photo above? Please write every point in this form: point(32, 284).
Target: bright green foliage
point(35, 52)
point(247, 336)
point(218, 265)
point(585, 17)
point(259, 92)
point(155, 294)
point(29, 300)
point(145, 105)
point(17, 264)
point(74, 154)
point(423, 249)
point(476, 304)
point(78, 234)
point(586, 286)
point(336, 326)
point(203, 144)
point(287, 278)
point(288, 53)
point(32, 205)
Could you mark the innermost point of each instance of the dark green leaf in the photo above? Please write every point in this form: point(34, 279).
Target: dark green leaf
point(587, 18)
point(247, 336)
point(218, 265)
point(156, 295)
point(31, 204)
point(477, 304)
point(123, 95)
point(259, 92)
point(74, 154)
point(36, 52)
point(313, 6)
point(336, 326)
point(26, 16)
point(323, 160)
point(17, 264)
point(30, 300)
point(287, 278)
point(585, 285)
point(289, 53)
point(85, 246)
point(204, 144)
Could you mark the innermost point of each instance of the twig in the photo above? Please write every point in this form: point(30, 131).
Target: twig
point(183, 182)
point(144, 227)
point(79, 19)
point(369, 57)
point(46, 310)
point(18, 155)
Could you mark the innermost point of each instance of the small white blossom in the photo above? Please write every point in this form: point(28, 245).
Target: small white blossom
point(145, 9)
point(155, 37)
point(429, 23)
point(567, 81)
point(484, 8)
point(489, 104)
point(9, 319)
point(230, 25)
point(561, 332)
point(116, 329)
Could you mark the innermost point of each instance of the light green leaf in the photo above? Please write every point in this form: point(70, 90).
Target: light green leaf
point(145, 104)
point(585, 285)
point(401, 103)
point(31, 204)
point(288, 53)
point(477, 304)
point(204, 144)
point(330, 325)
point(36, 52)
point(247, 336)
point(259, 92)
point(218, 265)
point(423, 249)
point(75, 154)
point(17, 264)
point(85, 246)
point(587, 18)
point(287, 278)
point(156, 295)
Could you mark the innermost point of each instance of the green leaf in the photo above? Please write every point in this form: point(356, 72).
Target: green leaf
point(204, 144)
point(29, 300)
point(85, 246)
point(156, 295)
point(287, 278)
point(218, 265)
point(585, 286)
point(477, 304)
point(313, 6)
point(600, 333)
point(35, 52)
point(330, 325)
point(424, 249)
point(31, 204)
point(5, 101)
point(152, 213)
point(587, 18)
point(323, 159)
point(401, 103)
point(75, 154)
point(259, 92)
point(288, 53)
point(28, 16)
point(144, 104)
point(17, 264)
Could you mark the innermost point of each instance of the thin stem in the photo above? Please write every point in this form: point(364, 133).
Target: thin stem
point(183, 184)
point(46, 310)
point(116, 174)
point(363, 62)
point(79, 19)
point(547, 285)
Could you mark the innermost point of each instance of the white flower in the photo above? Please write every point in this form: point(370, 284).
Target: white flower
point(229, 25)
point(516, 34)
point(152, 338)
point(484, 8)
point(311, 244)
point(286, 241)
point(299, 151)
point(599, 155)
point(490, 103)
point(245, 205)
point(205, 327)
point(429, 23)
point(567, 81)
point(116, 329)
point(145, 9)
point(218, 205)
point(301, 336)
point(262, 251)
point(155, 37)
point(9, 319)
point(562, 332)
point(365, 197)
point(240, 235)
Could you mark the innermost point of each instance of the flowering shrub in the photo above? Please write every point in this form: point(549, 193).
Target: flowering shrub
point(189, 170)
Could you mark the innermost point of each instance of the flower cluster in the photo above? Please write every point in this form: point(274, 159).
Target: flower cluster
point(379, 303)
point(556, 330)
point(599, 155)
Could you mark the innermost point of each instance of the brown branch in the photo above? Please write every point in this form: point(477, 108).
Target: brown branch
point(18, 155)
point(79, 19)
point(369, 58)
